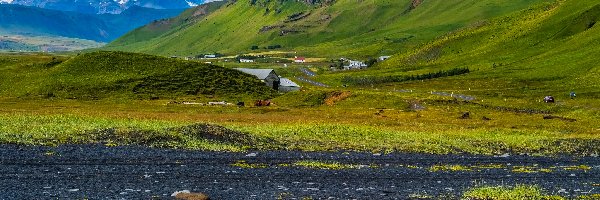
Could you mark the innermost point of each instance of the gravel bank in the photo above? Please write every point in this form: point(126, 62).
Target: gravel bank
point(99, 172)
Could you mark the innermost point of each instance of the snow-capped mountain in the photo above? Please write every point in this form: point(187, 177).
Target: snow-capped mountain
point(104, 6)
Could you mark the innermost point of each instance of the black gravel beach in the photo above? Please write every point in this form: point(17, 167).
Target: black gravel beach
point(132, 172)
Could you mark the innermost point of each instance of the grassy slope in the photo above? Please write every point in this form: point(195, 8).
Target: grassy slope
point(121, 75)
point(543, 50)
point(346, 28)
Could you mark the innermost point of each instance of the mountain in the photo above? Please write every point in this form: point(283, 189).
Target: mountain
point(25, 20)
point(104, 6)
point(321, 28)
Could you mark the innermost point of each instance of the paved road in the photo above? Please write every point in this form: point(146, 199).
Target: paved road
point(98, 172)
point(311, 82)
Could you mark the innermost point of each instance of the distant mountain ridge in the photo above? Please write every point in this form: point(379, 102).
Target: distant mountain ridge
point(26, 20)
point(104, 6)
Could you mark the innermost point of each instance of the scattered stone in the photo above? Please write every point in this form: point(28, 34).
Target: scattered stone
point(562, 191)
point(466, 115)
point(558, 117)
point(251, 155)
point(506, 155)
point(192, 196)
point(180, 192)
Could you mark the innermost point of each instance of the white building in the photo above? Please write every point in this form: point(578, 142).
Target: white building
point(382, 58)
point(246, 61)
point(355, 65)
point(287, 85)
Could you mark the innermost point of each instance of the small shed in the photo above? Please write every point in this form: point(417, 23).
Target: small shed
point(267, 76)
point(287, 85)
point(300, 60)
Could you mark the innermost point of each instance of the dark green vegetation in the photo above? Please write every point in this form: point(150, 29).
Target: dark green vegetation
point(121, 75)
point(23, 20)
point(342, 28)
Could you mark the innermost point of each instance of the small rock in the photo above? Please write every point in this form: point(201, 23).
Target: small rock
point(251, 155)
point(377, 154)
point(192, 196)
point(506, 155)
point(466, 115)
point(562, 191)
point(180, 192)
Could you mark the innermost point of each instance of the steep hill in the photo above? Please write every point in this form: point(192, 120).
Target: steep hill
point(322, 29)
point(548, 49)
point(121, 75)
point(23, 20)
point(160, 27)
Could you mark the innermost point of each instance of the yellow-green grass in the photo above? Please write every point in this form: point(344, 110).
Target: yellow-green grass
point(69, 129)
point(314, 119)
point(519, 192)
point(312, 164)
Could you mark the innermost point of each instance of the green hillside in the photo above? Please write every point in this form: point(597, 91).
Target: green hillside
point(546, 50)
point(120, 75)
point(344, 28)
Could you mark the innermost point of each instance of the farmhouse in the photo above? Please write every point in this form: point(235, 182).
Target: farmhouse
point(288, 85)
point(299, 60)
point(268, 76)
point(210, 56)
point(355, 65)
point(246, 60)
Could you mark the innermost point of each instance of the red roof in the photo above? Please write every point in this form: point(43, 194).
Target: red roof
point(300, 58)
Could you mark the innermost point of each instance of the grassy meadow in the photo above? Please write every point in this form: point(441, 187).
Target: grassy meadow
point(516, 54)
point(371, 119)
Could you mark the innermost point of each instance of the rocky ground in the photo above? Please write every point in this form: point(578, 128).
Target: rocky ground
point(99, 172)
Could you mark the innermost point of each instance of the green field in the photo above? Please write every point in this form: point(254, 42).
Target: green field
point(314, 119)
point(506, 55)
